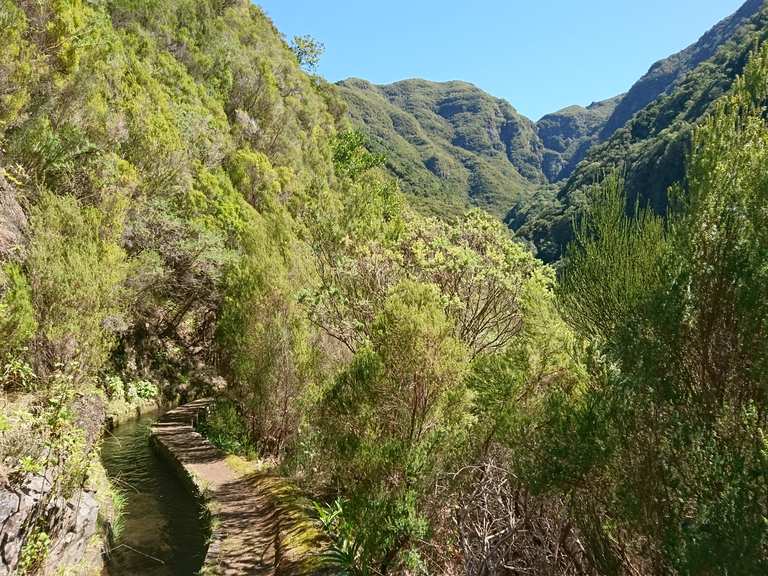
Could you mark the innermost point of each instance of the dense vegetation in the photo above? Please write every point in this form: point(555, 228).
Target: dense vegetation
point(678, 311)
point(184, 211)
point(450, 144)
point(453, 146)
point(665, 73)
point(151, 155)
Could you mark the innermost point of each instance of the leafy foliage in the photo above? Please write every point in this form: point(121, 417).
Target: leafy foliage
point(308, 52)
point(198, 217)
point(77, 270)
point(613, 262)
point(679, 405)
point(225, 427)
point(17, 319)
point(392, 419)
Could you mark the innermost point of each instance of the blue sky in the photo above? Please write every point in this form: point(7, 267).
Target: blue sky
point(541, 55)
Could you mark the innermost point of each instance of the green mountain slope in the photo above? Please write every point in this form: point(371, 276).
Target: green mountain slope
point(453, 145)
point(665, 73)
point(450, 144)
point(567, 135)
point(652, 146)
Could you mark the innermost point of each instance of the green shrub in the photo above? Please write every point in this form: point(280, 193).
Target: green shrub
point(344, 554)
point(114, 387)
point(142, 390)
point(668, 440)
point(224, 426)
point(17, 374)
point(394, 420)
point(77, 270)
point(34, 553)
point(17, 314)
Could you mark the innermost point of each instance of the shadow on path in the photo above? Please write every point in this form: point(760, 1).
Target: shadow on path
point(260, 524)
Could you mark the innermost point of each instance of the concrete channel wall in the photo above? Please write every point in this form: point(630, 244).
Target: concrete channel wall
point(258, 524)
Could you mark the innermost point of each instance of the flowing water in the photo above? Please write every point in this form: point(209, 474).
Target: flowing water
point(163, 532)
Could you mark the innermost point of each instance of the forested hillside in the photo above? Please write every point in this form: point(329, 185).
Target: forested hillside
point(453, 146)
point(568, 135)
point(450, 145)
point(553, 161)
point(652, 145)
point(186, 211)
point(160, 163)
point(667, 72)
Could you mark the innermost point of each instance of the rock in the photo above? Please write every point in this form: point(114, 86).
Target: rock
point(72, 524)
point(79, 519)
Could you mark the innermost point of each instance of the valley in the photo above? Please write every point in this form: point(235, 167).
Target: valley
point(256, 322)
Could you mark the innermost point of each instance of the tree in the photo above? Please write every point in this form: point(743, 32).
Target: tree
point(394, 420)
point(264, 342)
point(308, 52)
point(613, 264)
point(482, 274)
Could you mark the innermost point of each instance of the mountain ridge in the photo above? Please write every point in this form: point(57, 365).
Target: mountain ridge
point(455, 138)
point(549, 163)
point(665, 72)
point(450, 144)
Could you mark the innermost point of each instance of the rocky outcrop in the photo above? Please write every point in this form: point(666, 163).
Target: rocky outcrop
point(70, 523)
point(66, 520)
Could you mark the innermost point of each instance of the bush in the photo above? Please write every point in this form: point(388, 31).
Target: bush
point(114, 387)
point(264, 342)
point(16, 374)
point(17, 315)
point(393, 421)
point(144, 389)
point(223, 425)
point(77, 270)
point(141, 390)
point(668, 442)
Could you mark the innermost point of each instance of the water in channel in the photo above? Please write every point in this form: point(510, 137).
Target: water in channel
point(163, 532)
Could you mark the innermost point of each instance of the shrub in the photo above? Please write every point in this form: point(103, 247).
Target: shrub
point(394, 420)
point(676, 411)
point(17, 315)
point(114, 387)
point(77, 271)
point(143, 389)
point(35, 551)
point(224, 426)
point(16, 374)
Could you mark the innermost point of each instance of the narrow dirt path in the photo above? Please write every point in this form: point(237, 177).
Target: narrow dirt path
point(253, 530)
